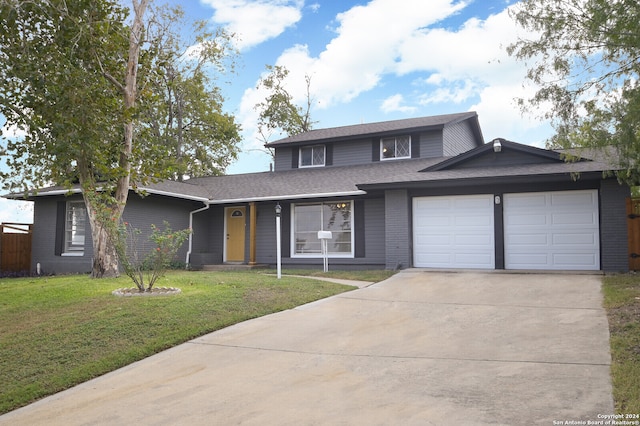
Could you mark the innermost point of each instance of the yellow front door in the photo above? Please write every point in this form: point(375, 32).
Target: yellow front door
point(235, 224)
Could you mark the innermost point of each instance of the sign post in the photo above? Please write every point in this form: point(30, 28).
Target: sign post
point(324, 237)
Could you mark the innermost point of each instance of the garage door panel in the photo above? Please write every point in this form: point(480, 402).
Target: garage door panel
point(526, 202)
point(473, 221)
point(464, 240)
point(424, 239)
point(473, 240)
point(586, 240)
point(526, 240)
point(575, 199)
point(473, 260)
point(574, 219)
point(571, 259)
point(528, 260)
point(436, 221)
point(561, 233)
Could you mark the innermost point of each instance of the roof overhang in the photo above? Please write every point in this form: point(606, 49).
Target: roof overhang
point(71, 191)
point(289, 197)
point(481, 181)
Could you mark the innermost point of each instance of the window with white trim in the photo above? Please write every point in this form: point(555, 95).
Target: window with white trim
point(397, 147)
point(308, 219)
point(312, 156)
point(74, 228)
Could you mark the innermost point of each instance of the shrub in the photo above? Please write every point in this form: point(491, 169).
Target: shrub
point(144, 267)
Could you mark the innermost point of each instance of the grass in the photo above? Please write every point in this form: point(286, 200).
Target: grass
point(373, 275)
point(622, 302)
point(61, 331)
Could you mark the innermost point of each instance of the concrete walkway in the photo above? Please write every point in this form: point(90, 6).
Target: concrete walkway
point(421, 348)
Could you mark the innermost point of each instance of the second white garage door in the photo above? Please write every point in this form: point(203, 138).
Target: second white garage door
point(552, 230)
point(454, 232)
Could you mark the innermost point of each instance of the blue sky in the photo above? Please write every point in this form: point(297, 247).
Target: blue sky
point(377, 60)
point(371, 61)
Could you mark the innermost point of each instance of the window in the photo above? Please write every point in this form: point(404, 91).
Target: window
point(312, 156)
point(74, 228)
point(308, 219)
point(392, 148)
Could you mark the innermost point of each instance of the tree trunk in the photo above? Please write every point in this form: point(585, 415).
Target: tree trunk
point(105, 258)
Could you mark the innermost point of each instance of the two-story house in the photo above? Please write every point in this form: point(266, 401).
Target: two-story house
point(421, 192)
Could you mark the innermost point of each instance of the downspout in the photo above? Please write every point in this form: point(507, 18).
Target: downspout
point(206, 207)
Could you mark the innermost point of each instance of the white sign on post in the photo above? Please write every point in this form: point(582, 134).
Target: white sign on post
point(324, 237)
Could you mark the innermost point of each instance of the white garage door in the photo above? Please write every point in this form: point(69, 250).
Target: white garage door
point(552, 230)
point(453, 232)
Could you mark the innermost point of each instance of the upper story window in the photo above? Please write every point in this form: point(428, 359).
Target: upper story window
point(74, 228)
point(398, 147)
point(312, 156)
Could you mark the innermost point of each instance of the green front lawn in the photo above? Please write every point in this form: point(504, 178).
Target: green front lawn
point(622, 301)
point(57, 332)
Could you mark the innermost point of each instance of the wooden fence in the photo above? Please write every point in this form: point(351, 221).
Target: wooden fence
point(15, 247)
point(633, 228)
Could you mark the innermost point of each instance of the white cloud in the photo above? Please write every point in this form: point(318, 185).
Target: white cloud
point(16, 211)
point(365, 48)
point(455, 92)
point(256, 21)
point(394, 103)
point(385, 40)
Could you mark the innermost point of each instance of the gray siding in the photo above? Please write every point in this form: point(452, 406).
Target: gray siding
point(352, 152)
point(374, 227)
point(363, 151)
point(266, 234)
point(614, 253)
point(208, 237)
point(140, 213)
point(458, 138)
point(397, 229)
point(45, 212)
point(283, 159)
point(431, 144)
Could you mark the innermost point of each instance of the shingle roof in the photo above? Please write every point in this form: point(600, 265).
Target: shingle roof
point(381, 128)
point(354, 180)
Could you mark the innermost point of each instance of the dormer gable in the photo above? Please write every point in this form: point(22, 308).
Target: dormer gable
point(499, 153)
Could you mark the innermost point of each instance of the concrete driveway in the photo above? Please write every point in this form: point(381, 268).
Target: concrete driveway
point(422, 348)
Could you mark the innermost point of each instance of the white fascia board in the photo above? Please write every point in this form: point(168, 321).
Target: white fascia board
point(19, 195)
point(214, 202)
point(175, 195)
point(288, 197)
point(78, 191)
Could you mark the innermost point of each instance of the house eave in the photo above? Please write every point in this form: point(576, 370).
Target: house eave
point(27, 196)
point(288, 197)
point(479, 181)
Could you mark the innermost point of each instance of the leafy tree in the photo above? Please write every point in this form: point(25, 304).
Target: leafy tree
point(585, 57)
point(79, 81)
point(185, 117)
point(70, 82)
point(279, 112)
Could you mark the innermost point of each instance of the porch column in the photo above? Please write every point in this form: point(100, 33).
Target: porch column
point(252, 233)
